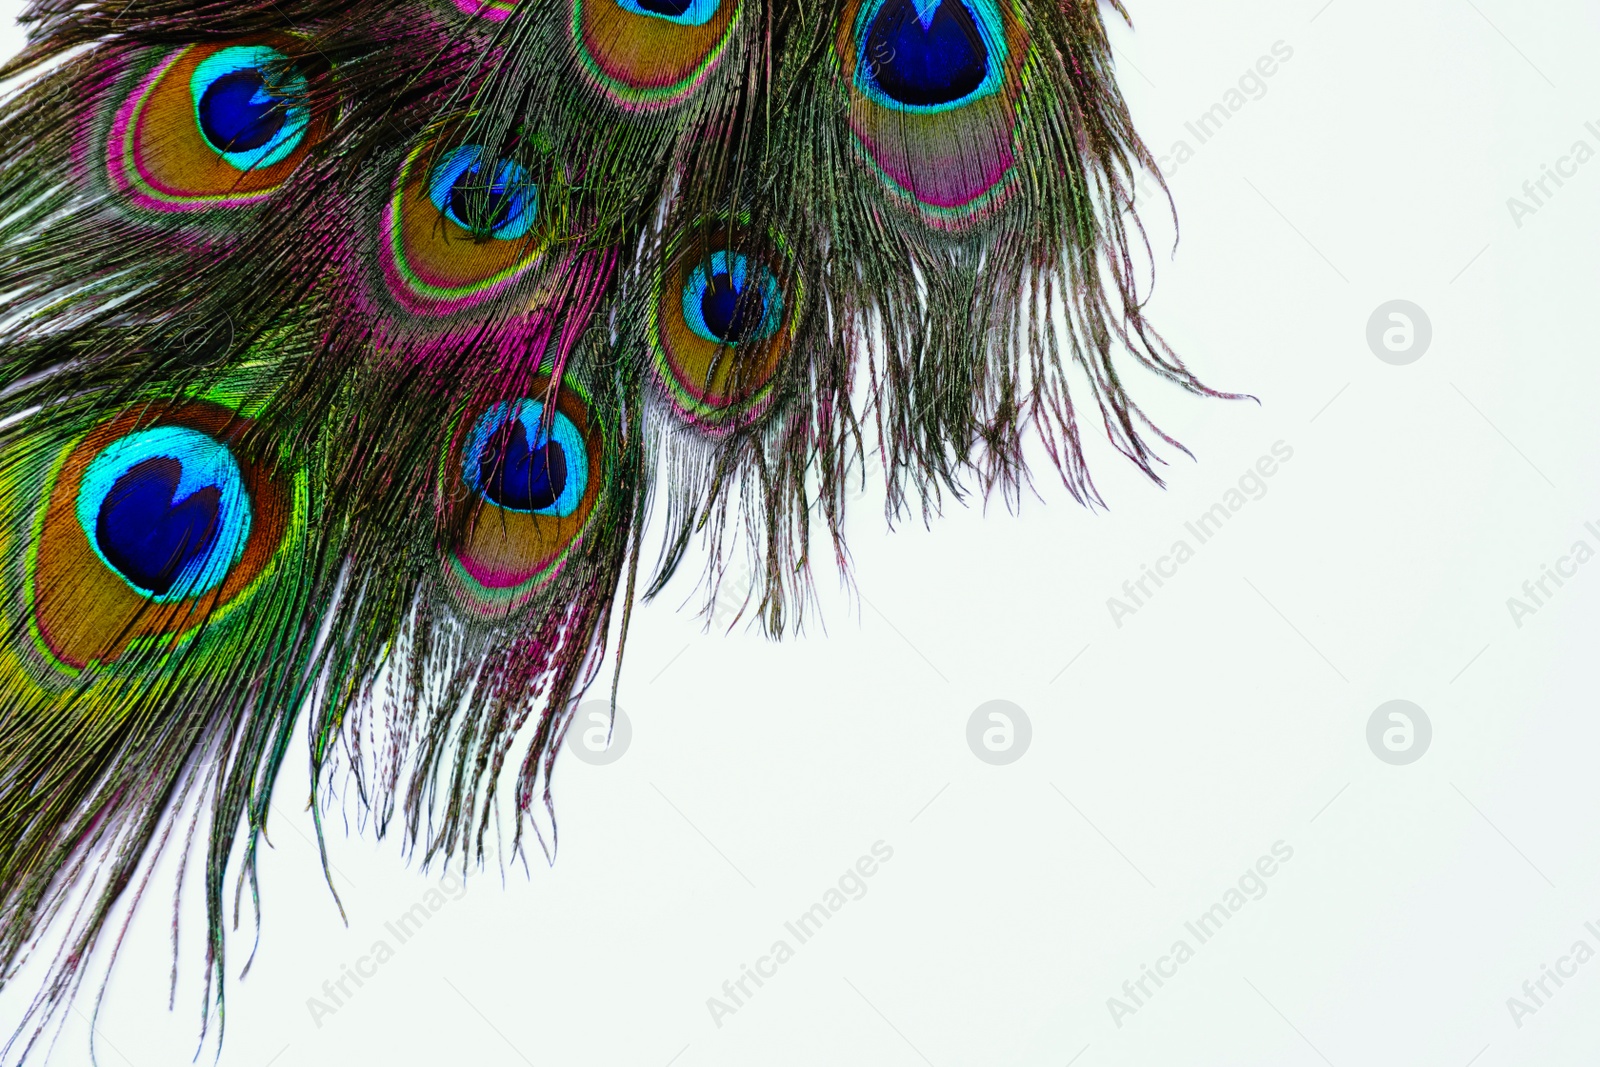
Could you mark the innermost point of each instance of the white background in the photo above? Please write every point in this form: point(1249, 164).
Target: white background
point(1228, 714)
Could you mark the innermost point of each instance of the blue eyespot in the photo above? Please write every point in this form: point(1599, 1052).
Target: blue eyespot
point(250, 105)
point(167, 510)
point(683, 12)
point(930, 54)
point(516, 466)
point(502, 203)
point(719, 307)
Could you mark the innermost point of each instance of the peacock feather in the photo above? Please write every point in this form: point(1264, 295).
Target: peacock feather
point(350, 348)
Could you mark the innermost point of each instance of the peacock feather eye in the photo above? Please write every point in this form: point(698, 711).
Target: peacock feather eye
point(533, 471)
point(722, 323)
point(153, 525)
point(165, 510)
point(930, 53)
point(460, 229)
point(932, 87)
point(682, 12)
point(249, 105)
point(726, 301)
point(213, 126)
point(646, 55)
point(518, 464)
point(487, 198)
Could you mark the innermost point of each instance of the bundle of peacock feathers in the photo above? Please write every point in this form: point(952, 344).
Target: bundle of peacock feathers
point(349, 347)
